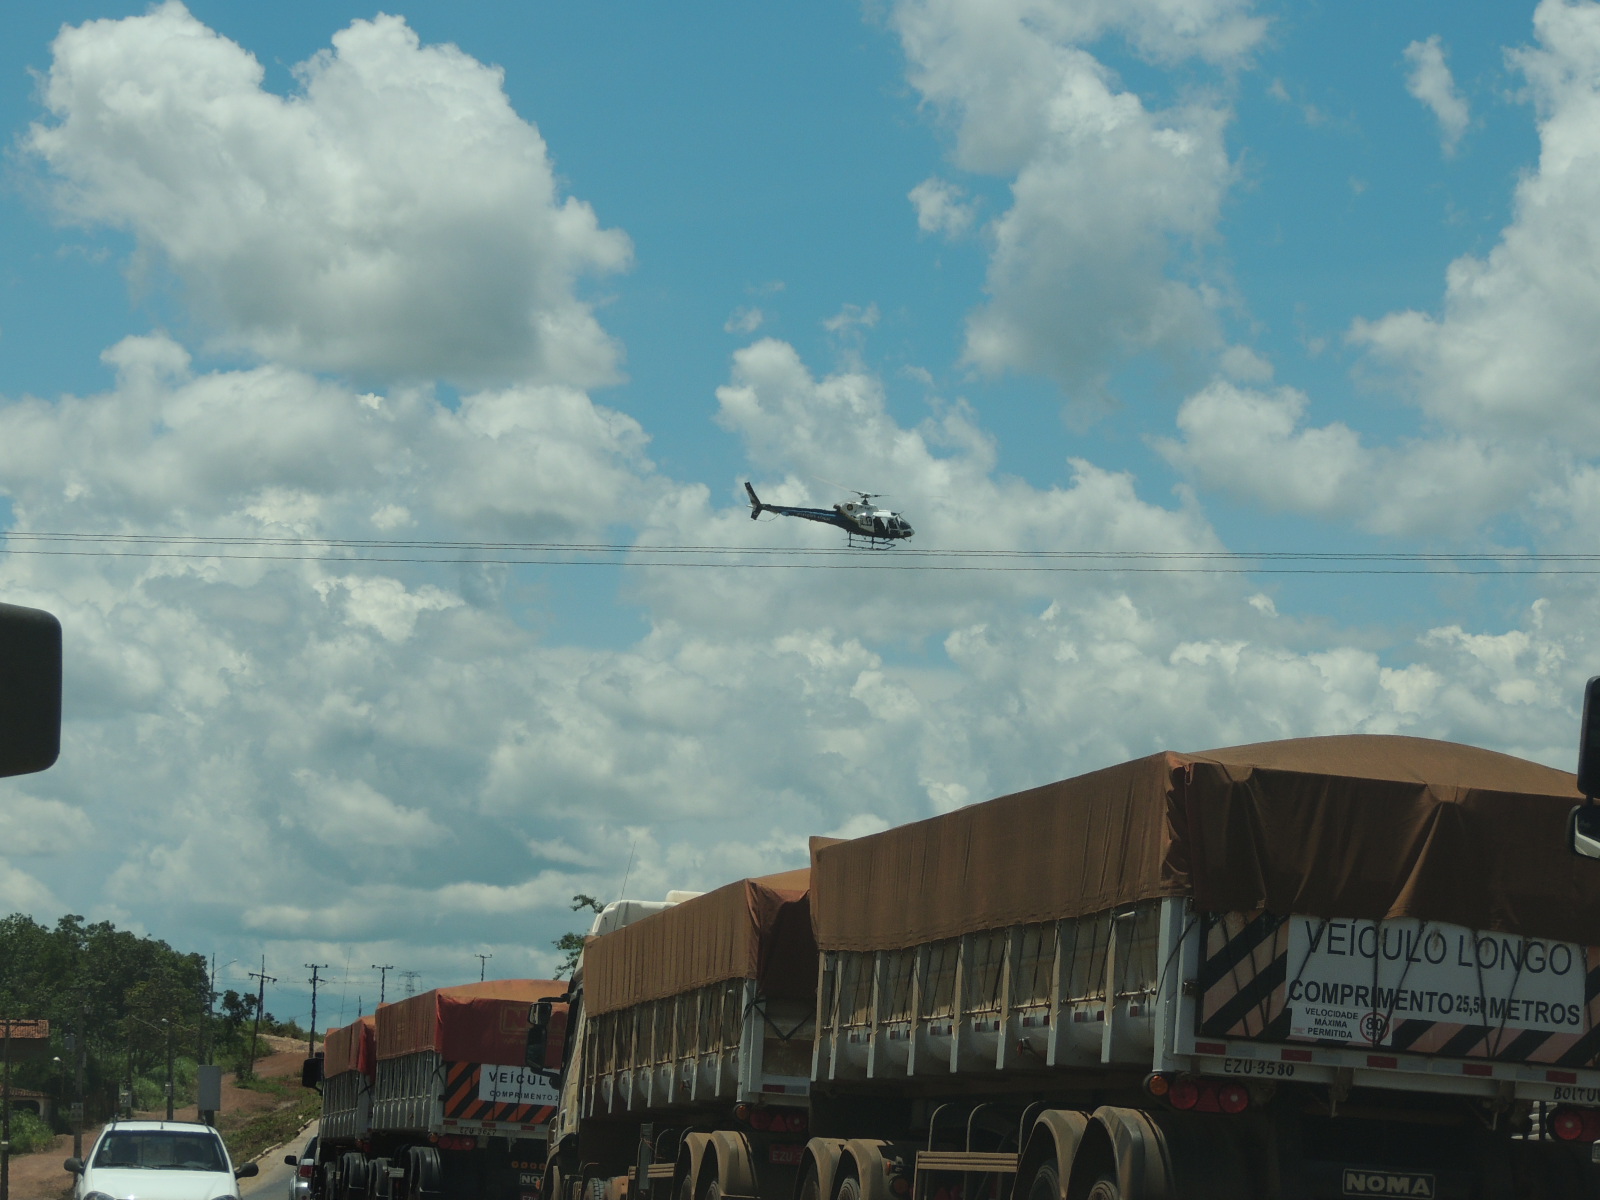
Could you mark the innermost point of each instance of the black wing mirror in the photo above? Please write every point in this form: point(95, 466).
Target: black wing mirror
point(30, 689)
point(538, 1033)
point(1583, 823)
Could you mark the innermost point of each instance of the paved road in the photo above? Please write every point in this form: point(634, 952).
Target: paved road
point(273, 1182)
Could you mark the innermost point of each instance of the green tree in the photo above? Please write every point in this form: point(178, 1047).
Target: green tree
point(571, 944)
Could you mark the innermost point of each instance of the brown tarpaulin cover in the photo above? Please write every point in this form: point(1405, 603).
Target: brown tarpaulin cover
point(473, 1022)
point(754, 929)
point(1356, 826)
point(352, 1048)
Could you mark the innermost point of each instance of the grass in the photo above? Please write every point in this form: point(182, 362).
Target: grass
point(265, 1130)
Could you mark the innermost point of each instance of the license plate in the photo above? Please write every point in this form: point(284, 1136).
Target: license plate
point(785, 1156)
point(1259, 1067)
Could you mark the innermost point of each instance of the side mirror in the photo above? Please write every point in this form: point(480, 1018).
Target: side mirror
point(1583, 831)
point(289, 1160)
point(30, 689)
point(246, 1171)
point(538, 1033)
point(73, 1166)
point(311, 1072)
point(1589, 740)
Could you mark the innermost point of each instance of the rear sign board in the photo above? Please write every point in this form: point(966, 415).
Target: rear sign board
point(515, 1085)
point(1355, 980)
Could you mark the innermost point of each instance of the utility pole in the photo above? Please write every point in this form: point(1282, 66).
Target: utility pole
point(311, 1043)
point(170, 1088)
point(411, 978)
point(483, 961)
point(5, 1120)
point(383, 974)
point(81, 1045)
point(261, 1002)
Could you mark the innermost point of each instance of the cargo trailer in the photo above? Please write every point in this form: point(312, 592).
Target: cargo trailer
point(693, 1043)
point(445, 1094)
point(1324, 967)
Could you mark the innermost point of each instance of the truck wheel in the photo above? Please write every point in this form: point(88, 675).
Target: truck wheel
point(354, 1169)
point(811, 1185)
point(378, 1175)
point(423, 1176)
point(1046, 1183)
point(850, 1189)
point(1105, 1188)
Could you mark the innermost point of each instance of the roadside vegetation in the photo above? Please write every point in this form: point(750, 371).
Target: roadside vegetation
point(123, 1002)
point(262, 1131)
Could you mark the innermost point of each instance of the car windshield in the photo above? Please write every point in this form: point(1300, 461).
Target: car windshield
point(160, 1150)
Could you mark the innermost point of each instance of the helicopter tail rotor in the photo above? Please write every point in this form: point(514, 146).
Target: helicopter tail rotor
point(755, 501)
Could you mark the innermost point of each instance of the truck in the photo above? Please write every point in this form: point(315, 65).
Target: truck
point(691, 1043)
point(1322, 967)
point(445, 1094)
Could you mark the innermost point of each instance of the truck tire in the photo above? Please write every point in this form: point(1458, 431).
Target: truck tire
point(379, 1183)
point(1046, 1183)
point(850, 1189)
point(1104, 1188)
point(354, 1177)
point(423, 1176)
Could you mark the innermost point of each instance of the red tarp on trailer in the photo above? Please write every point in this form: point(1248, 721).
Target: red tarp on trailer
point(351, 1048)
point(473, 1022)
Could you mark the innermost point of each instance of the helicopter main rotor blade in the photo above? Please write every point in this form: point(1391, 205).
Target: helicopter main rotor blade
point(865, 496)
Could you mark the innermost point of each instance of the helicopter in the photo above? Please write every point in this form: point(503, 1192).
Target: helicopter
point(859, 518)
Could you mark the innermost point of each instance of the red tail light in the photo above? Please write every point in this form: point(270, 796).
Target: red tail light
point(1575, 1124)
point(1233, 1098)
point(1568, 1124)
point(306, 1169)
point(1207, 1095)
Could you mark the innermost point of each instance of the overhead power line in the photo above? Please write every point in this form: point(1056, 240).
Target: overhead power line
point(356, 551)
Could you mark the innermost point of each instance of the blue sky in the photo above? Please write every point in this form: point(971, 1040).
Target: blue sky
point(1173, 276)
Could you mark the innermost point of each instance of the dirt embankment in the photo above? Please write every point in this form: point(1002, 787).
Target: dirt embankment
point(40, 1177)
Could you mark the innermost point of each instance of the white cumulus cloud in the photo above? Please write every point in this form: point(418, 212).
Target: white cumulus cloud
point(1090, 263)
point(942, 208)
point(1254, 445)
point(393, 218)
point(1430, 81)
point(1515, 349)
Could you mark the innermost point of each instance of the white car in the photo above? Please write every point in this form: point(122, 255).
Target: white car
point(158, 1160)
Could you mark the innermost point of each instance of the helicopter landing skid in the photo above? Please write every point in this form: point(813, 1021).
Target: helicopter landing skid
point(868, 542)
